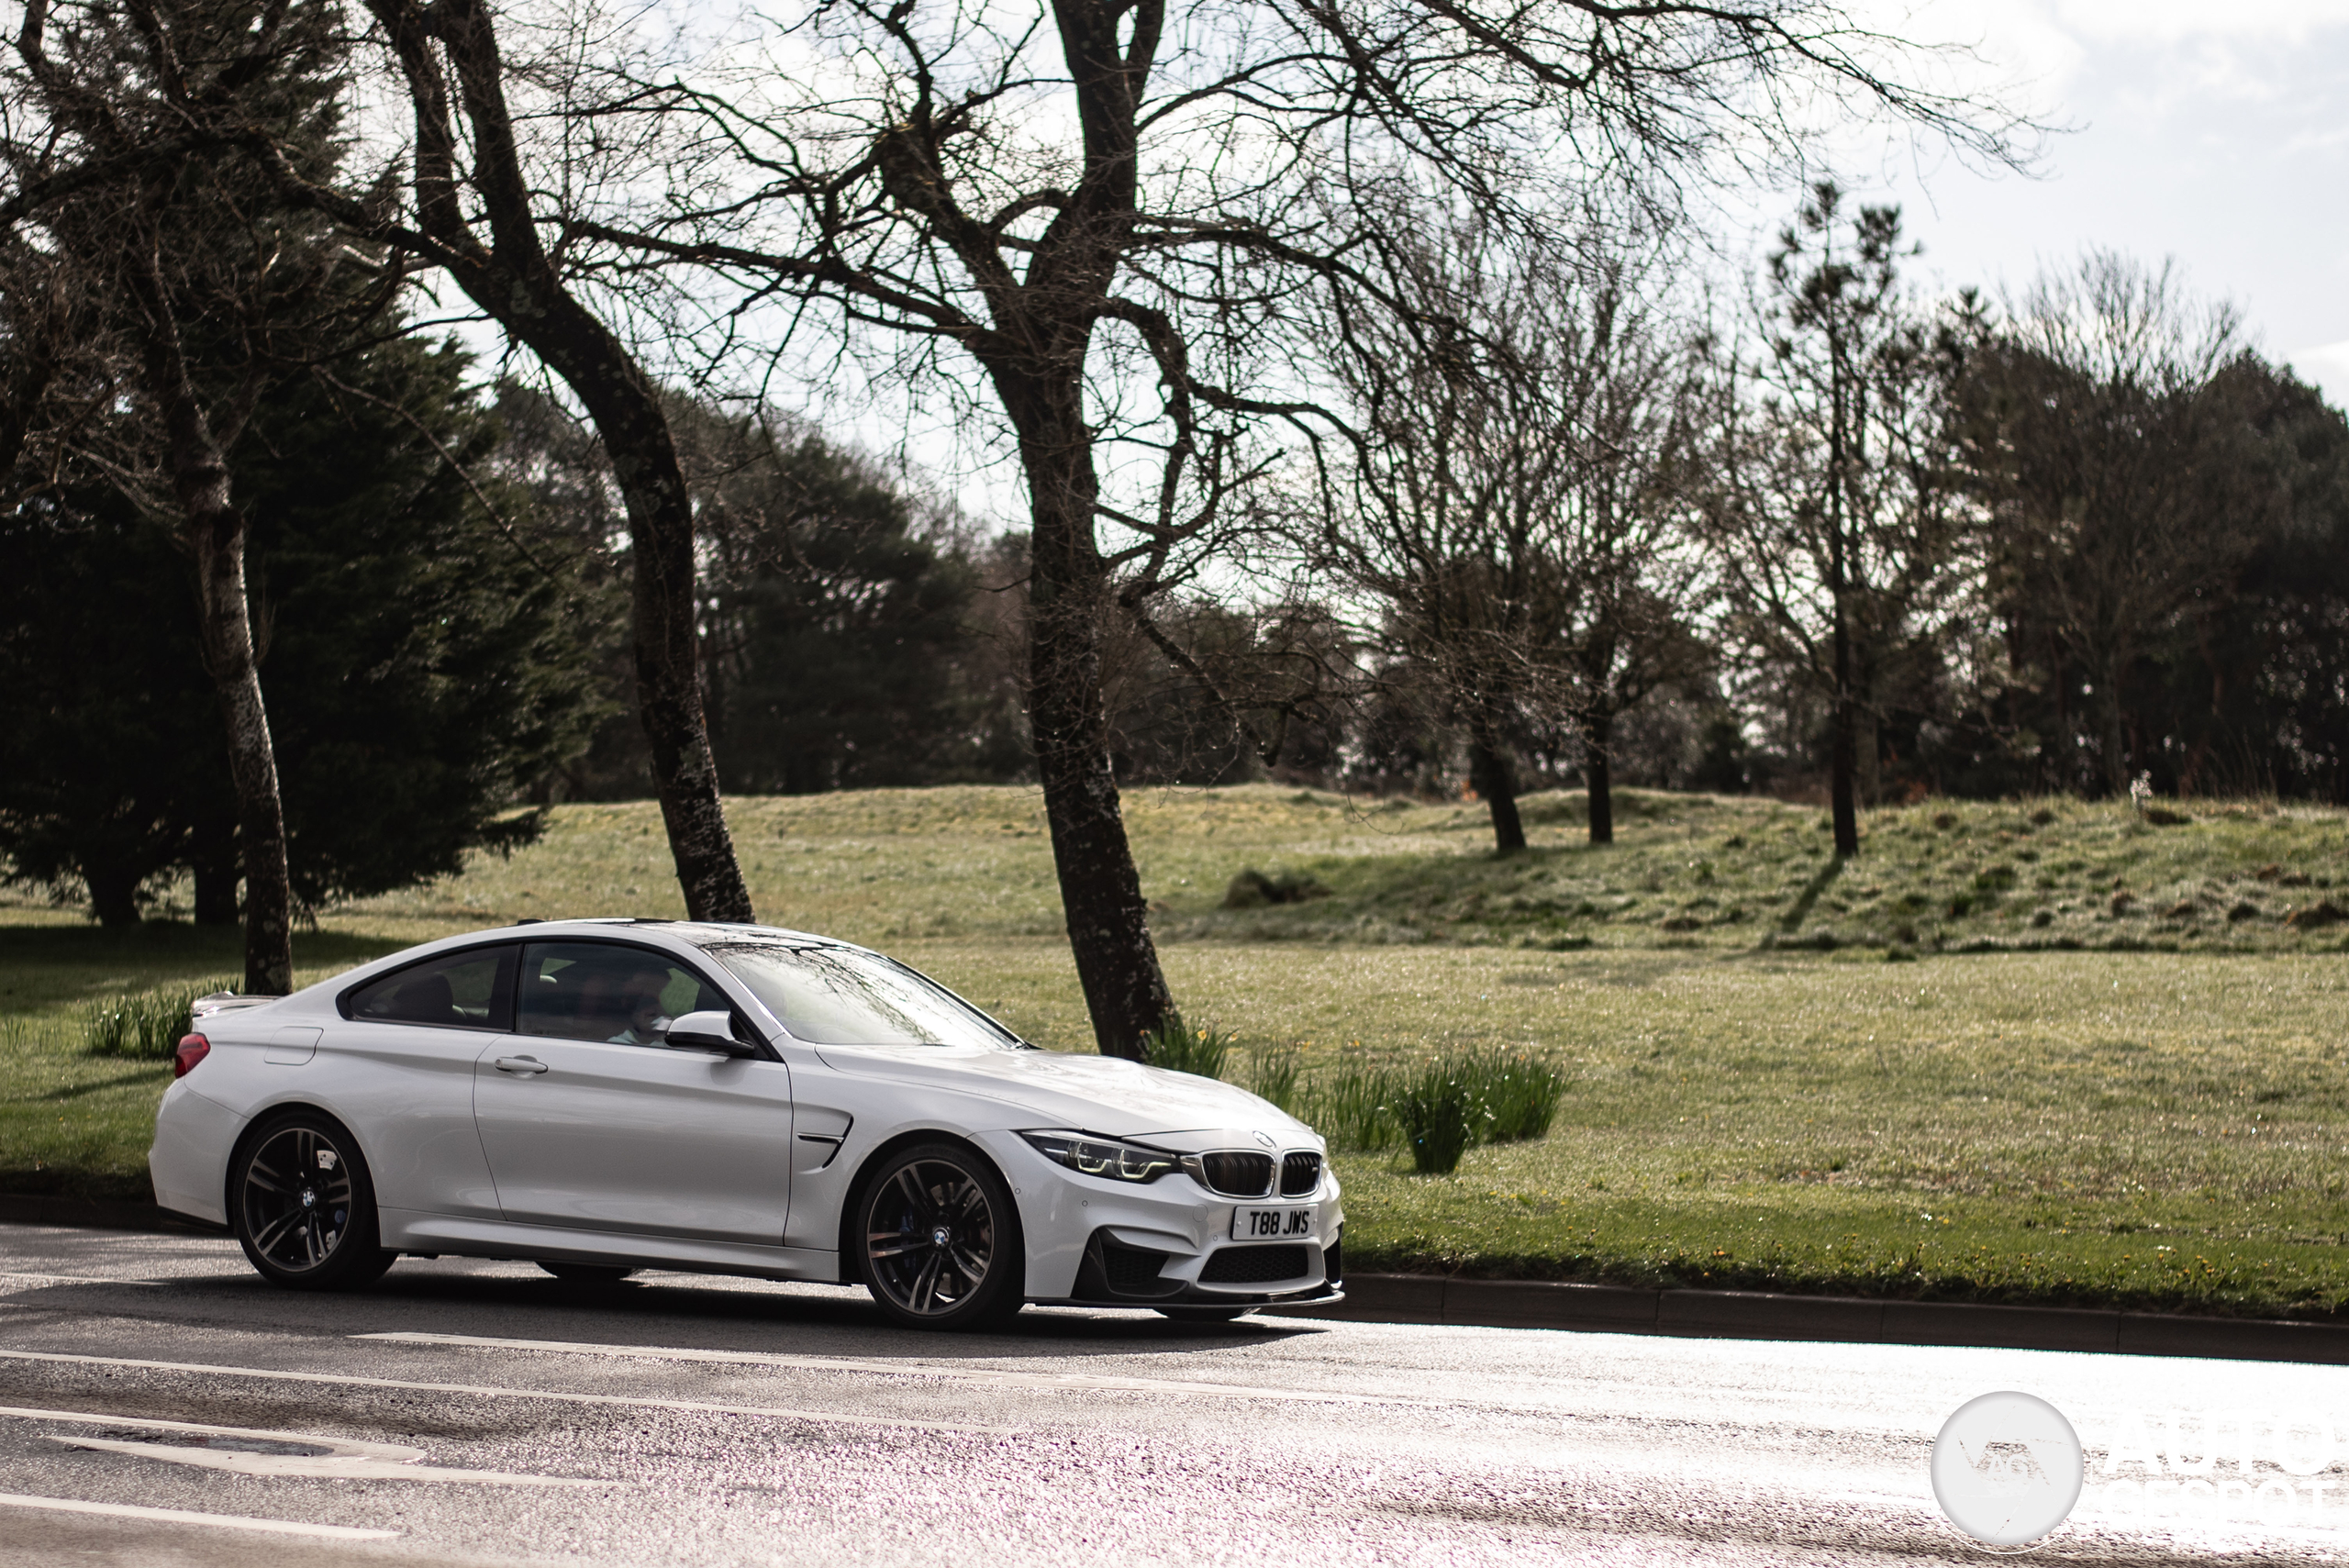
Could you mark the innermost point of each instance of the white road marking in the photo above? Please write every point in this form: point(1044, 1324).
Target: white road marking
point(35, 1281)
point(346, 1380)
point(322, 1466)
point(346, 1459)
point(183, 1517)
point(99, 1419)
point(1088, 1381)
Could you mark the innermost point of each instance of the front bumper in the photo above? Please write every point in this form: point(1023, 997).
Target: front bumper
point(1116, 1273)
point(1106, 1243)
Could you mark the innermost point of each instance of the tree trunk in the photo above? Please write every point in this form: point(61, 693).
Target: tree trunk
point(519, 286)
point(215, 861)
point(2189, 777)
point(1599, 776)
point(1840, 759)
point(2116, 738)
point(2065, 745)
point(1840, 754)
point(252, 760)
point(1490, 771)
point(626, 409)
point(114, 896)
point(214, 531)
point(1109, 921)
point(1867, 756)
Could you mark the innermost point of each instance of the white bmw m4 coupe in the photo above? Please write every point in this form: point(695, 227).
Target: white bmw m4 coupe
point(600, 1096)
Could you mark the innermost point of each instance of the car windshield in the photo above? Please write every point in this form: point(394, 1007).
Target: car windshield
point(829, 995)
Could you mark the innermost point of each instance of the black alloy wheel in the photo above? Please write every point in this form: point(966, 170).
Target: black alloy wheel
point(1204, 1314)
point(586, 1274)
point(942, 1240)
point(305, 1207)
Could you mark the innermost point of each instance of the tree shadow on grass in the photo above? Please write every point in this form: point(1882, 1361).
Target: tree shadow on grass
point(46, 966)
point(1799, 911)
point(161, 938)
point(143, 1075)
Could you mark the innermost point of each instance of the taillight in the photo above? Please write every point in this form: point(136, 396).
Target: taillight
point(194, 1048)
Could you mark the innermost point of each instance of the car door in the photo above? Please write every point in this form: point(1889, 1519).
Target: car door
point(590, 1122)
point(401, 1065)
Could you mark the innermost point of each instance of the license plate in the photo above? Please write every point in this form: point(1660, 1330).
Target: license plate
point(1272, 1224)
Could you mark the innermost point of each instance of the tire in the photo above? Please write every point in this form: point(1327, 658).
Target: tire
point(939, 1240)
point(586, 1274)
point(304, 1206)
point(1203, 1314)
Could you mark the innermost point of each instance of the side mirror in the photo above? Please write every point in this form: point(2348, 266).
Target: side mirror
point(711, 1031)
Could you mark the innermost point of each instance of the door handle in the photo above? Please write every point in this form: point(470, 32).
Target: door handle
point(522, 1066)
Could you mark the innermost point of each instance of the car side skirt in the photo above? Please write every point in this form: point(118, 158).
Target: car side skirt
point(407, 1231)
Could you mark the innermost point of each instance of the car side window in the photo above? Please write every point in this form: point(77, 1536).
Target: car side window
point(603, 991)
point(471, 989)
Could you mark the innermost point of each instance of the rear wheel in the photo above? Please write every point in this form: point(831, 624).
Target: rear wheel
point(940, 1241)
point(586, 1274)
point(305, 1207)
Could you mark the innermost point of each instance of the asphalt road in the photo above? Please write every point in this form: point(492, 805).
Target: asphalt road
point(478, 1413)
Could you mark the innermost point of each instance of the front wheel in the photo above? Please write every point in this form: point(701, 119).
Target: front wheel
point(305, 1207)
point(940, 1239)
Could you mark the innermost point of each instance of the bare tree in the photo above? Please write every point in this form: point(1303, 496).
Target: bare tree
point(1085, 197)
point(1835, 516)
point(1636, 583)
point(1512, 506)
point(2114, 455)
point(188, 290)
point(1435, 516)
point(475, 211)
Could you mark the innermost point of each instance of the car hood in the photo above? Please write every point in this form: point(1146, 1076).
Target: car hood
point(1085, 1094)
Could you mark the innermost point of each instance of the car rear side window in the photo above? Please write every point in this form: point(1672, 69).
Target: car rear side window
point(471, 989)
point(608, 992)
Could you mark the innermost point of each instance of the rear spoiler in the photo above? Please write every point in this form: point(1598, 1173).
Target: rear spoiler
point(223, 1002)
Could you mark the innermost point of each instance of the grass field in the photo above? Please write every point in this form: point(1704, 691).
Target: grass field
point(2141, 1099)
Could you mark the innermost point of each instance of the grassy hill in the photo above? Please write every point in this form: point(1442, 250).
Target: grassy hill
point(1714, 873)
point(2074, 1096)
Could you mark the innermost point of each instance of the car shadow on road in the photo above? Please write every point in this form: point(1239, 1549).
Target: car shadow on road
point(744, 1316)
point(673, 1311)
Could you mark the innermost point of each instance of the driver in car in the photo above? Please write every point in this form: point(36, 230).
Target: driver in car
point(647, 1023)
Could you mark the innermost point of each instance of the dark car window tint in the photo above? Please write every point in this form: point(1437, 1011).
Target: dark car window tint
point(463, 990)
point(602, 991)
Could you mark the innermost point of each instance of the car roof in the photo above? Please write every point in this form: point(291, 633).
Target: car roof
point(680, 935)
point(690, 934)
point(695, 933)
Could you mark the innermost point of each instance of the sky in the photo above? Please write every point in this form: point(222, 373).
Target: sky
point(2214, 133)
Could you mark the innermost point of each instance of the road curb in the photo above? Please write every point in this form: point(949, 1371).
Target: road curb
point(1756, 1314)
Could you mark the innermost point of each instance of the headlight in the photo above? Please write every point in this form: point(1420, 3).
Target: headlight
point(1104, 1157)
